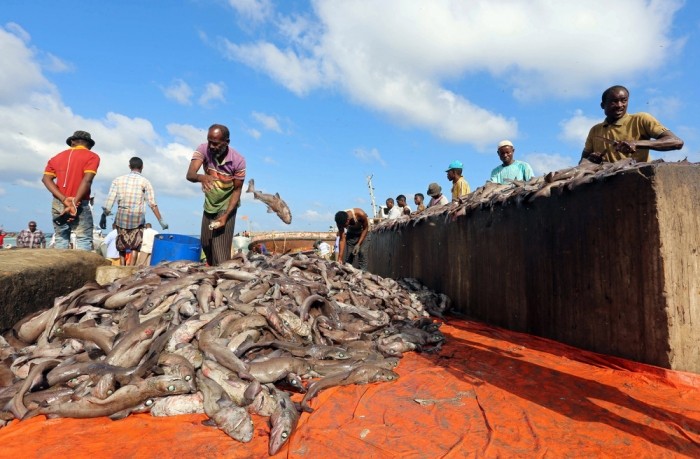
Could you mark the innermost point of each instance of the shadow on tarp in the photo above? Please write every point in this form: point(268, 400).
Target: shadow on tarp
point(646, 402)
point(488, 393)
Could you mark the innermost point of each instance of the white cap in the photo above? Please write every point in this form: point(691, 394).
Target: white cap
point(504, 143)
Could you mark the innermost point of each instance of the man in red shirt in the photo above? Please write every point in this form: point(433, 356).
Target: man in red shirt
point(68, 176)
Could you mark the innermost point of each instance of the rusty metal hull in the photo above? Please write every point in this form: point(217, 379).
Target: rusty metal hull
point(292, 241)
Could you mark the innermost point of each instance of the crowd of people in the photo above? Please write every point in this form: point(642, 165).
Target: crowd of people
point(621, 135)
point(220, 170)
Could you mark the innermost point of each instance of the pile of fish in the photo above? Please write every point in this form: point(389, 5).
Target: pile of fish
point(519, 192)
point(227, 341)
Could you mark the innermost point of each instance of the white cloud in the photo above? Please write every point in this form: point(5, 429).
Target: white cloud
point(255, 10)
point(187, 134)
point(269, 122)
point(36, 124)
point(55, 64)
point(369, 156)
point(298, 74)
point(179, 91)
point(397, 60)
point(544, 162)
point(574, 130)
point(212, 92)
point(254, 133)
point(269, 160)
point(20, 73)
point(315, 216)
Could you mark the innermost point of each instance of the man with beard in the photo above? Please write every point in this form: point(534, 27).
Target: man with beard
point(622, 135)
point(222, 182)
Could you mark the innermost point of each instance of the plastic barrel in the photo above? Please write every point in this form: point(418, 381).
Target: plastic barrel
point(174, 247)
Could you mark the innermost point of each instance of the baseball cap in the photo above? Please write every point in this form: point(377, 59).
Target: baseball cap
point(454, 165)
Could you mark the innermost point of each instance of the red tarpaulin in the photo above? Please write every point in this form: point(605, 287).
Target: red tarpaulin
point(488, 393)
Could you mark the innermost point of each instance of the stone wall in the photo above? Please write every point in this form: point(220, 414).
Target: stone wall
point(611, 266)
point(30, 279)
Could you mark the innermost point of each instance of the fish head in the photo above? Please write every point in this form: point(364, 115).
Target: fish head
point(236, 422)
point(279, 434)
point(385, 376)
point(171, 385)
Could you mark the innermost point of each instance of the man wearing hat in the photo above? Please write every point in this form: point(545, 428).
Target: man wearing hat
point(436, 196)
point(460, 187)
point(68, 176)
point(511, 169)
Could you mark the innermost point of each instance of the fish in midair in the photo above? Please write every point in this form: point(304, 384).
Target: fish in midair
point(273, 201)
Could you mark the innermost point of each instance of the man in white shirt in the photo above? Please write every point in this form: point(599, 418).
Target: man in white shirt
point(403, 207)
point(108, 248)
point(393, 211)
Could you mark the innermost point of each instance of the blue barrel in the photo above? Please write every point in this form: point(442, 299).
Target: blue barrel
point(173, 247)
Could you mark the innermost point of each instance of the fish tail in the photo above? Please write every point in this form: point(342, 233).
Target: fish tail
point(251, 186)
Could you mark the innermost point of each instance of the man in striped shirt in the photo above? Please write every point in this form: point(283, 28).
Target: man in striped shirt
point(131, 192)
point(222, 182)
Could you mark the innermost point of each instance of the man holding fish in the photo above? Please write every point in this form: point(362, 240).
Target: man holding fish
point(622, 135)
point(222, 183)
point(353, 228)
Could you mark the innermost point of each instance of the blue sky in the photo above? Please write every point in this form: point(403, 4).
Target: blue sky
point(320, 95)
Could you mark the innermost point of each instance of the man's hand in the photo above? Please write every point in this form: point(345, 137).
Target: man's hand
point(208, 182)
point(356, 250)
point(625, 146)
point(70, 206)
point(163, 224)
point(595, 157)
point(218, 224)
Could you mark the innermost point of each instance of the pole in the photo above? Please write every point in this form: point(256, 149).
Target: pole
point(371, 196)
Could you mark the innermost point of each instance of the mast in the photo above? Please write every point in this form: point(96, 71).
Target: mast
point(371, 195)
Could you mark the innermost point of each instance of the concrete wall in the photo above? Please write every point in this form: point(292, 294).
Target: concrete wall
point(30, 279)
point(611, 266)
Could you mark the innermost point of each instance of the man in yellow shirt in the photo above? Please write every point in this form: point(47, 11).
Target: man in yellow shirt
point(622, 135)
point(460, 187)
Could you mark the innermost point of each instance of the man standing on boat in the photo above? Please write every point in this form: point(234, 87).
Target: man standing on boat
point(222, 182)
point(353, 229)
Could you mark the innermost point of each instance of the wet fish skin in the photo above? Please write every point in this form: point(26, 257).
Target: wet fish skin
point(273, 202)
point(363, 374)
point(283, 421)
point(234, 420)
point(274, 370)
point(178, 404)
point(124, 398)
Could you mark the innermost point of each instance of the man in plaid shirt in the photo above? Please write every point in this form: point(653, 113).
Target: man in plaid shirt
point(31, 238)
point(131, 192)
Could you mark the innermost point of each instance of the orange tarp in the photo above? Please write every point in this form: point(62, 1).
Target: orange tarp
point(488, 393)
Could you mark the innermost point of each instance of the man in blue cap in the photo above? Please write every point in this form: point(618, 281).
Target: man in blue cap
point(460, 187)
